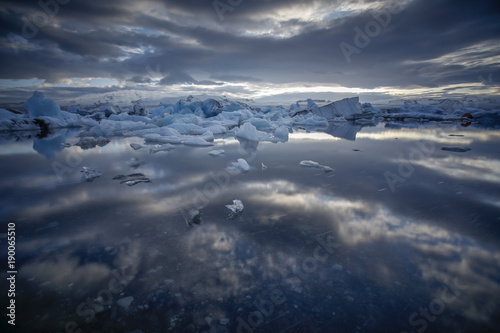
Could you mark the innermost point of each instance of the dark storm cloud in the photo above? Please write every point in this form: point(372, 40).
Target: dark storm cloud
point(235, 78)
point(136, 41)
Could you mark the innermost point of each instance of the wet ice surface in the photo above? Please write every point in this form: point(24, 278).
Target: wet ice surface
point(401, 236)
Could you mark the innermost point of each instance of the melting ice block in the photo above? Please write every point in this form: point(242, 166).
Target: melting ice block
point(216, 153)
point(349, 108)
point(135, 146)
point(39, 106)
point(312, 164)
point(282, 133)
point(90, 174)
point(132, 179)
point(236, 208)
point(193, 217)
point(248, 131)
point(238, 167)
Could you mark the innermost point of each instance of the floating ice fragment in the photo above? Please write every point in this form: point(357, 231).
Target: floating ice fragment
point(90, 174)
point(193, 217)
point(165, 147)
point(132, 179)
point(337, 267)
point(216, 153)
point(238, 167)
point(456, 149)
point(125, 302)
point(135, 146)
point(312, 164)
point(236, 209)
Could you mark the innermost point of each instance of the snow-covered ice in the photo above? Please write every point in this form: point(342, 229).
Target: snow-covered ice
point(238, 167)
point(313, 164)
point(216, 152)
point(236, 208)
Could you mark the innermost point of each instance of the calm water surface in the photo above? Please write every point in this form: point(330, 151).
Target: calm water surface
point(401, 237)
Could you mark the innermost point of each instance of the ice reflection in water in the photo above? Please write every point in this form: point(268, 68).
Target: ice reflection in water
point(311, 252)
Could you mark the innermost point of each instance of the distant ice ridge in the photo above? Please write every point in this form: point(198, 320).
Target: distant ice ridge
point(198, 123)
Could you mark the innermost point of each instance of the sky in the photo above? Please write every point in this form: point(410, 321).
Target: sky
point(265, 50)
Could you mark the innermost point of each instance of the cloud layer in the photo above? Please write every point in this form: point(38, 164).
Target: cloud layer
point(237, 46)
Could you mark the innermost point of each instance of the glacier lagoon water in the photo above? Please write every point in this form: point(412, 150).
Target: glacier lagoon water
point(402, 236)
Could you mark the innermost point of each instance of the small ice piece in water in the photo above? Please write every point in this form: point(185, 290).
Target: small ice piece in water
point(90, 174)
point(165, 147)
point(135, 146)
point(337, 267)
point(456, 149)
point(312, 164)
point(125, 302)
point(193, 217)
point(216, 153)
point(132, 179)
point(236, 209)
point(135, 162)
point(239, 166)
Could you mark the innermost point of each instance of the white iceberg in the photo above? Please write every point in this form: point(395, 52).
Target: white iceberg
point(236, 208)
point(216, 153)
point(313, 164)
point(165, 147)
point(248, 131)
point(348, 108)
point(239, 166)
point(282, 133)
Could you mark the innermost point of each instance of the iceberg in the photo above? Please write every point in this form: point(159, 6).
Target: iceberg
point(39, 106)
point(236, 208)
point(90, 174)
point(165, 147)
point(281, 133)
point(240, 166)
point(312, 164)
point(132, 179)
point(348, 108)
point(193, 217)
point(248, 131)
point(456, 149)
point(215, 153)
point(135, 146)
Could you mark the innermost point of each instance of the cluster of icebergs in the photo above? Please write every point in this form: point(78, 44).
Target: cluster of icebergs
point(198, 123)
